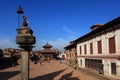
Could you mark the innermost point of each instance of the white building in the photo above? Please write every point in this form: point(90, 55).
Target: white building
point(100, 49)
point(62, 55)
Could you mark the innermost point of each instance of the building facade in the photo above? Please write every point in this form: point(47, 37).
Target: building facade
point(71, 55)
point(100, 49)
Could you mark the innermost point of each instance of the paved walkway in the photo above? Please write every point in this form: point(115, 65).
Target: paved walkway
point(47, 71)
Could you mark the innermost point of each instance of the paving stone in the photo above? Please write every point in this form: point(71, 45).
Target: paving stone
point(53, 70)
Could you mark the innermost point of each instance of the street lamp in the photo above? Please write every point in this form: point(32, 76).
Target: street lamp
point(25, 41)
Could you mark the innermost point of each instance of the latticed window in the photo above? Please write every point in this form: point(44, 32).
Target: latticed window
point(112, 48)
point(80, 50)
point(99, 47)
point(91, 48)
point(85, 49)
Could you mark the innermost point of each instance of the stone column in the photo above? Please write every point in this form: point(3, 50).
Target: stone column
point(25, 50)
point(24, 64)
point(25, 40)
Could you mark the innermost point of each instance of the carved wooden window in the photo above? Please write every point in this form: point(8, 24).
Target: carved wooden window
point(99, 47)
point(112, 48)
point(91, 48)
point(85, 50)
point(80, 50)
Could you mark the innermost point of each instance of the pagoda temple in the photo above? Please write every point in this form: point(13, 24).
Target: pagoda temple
point(48, 53)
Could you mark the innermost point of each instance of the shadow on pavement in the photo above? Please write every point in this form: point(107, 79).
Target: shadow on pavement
point(49, 76)
point(7, 63)
point(7, 66)
point(7, 75)
point(68, 77)
point(4, 66)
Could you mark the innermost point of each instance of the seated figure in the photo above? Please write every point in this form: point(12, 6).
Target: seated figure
point(24, 22)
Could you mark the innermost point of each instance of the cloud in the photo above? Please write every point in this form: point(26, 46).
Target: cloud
point(43, 41)
point(59, 43)
point(38, 45)
point(70, 34)
point(6, 43)
point(67, 30)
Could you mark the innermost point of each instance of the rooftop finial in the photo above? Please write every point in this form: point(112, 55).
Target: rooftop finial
point(20, 11)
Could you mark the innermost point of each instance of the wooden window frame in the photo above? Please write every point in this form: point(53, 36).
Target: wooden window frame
point(112, 45)
point(91, 48)
point(85, 49)
point(99, 43)
point(80, 49)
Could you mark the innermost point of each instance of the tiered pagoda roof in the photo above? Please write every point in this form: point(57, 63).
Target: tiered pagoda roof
point(47, 46)
point(47, 49)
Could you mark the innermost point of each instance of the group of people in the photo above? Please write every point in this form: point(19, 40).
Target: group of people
point(35, 58)
point(14, 59)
